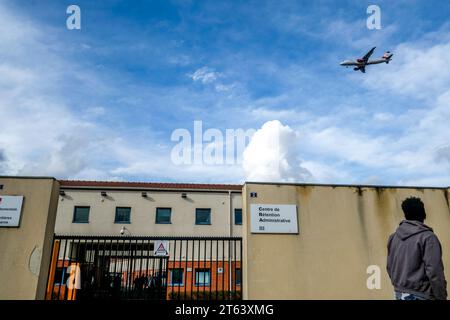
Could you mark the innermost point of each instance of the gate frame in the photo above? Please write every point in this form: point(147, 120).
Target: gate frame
point(231, 262)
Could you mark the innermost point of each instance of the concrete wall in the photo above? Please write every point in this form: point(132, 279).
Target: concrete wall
point(25, 251)
point(343, 230)
point(143, 212)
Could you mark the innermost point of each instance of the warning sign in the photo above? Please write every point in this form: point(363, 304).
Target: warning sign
point(161, 248)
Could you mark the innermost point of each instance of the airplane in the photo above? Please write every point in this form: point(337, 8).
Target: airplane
point(360, 64)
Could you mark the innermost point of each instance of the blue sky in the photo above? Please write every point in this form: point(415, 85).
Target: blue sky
point(102, 102)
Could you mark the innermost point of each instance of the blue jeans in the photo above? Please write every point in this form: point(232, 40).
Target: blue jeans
point(407, 296)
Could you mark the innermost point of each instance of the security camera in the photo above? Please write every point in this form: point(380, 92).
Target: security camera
point(122, 231)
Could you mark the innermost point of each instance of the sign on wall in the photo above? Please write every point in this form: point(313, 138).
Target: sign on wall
point(10, 210)
point(273, 218)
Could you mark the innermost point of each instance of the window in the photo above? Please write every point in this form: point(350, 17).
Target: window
point(163, 215)
point(122, 215)
point(238, 216)
point(202, 277)
point(81, 215)
point(202, 216)
point(176, 277)
point(238, 277)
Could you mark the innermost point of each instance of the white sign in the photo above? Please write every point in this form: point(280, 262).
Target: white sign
point(273, 218)
point(161, 248)
point(10, 210)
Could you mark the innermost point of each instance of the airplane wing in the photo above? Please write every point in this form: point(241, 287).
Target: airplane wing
point(368, 54)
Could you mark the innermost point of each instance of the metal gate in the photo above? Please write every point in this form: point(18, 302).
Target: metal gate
point(174, 268)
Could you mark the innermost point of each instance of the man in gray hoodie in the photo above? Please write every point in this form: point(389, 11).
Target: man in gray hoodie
point(414, 261)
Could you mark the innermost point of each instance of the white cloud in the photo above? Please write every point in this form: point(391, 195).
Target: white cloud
point(205, 75)
point(271, 155)
point(417, 69)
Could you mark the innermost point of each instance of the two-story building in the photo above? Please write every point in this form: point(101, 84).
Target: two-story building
point(105, 213)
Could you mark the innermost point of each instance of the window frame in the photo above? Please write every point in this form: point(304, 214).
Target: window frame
point(171, 277)
point(197, 284)
point(81, 207)
point(156, 216)
point(235, 276)
point(237, 224)
point(122, 222)
point(196, 217)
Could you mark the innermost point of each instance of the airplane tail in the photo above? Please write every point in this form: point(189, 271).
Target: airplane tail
point(387, 56)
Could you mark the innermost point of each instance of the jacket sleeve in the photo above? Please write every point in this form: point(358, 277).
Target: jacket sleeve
point(434, 267)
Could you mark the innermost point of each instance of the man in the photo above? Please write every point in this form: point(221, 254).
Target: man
point(414, 261)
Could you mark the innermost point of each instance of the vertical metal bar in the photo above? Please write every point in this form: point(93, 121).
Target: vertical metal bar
point(103, 267)
point(88, 256)
point(62, 268)
point(78, 263)
point(210, 267)
point(223, 269)
point(166, 269)
point(192, 270)
point(185, 273)
point(49, 276)
point(174, 264)
point(122, 250)
point(198, 266)
point(234, 272)
point(217, 268)
point(181, 267)
point(148, 257)
point(204, 266)
point(241, 261)
point(229, 270)
point(129, 282)
point(154, 279)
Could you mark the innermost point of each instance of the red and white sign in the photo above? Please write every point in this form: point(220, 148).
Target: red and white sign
point(161, 248)
point(10, 210)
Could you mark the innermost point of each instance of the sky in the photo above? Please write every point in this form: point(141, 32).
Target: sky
point(103, 102)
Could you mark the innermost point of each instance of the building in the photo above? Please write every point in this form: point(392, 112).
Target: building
point(103, 208)
point(129, 240)
point(164, 210)
point(26, 241)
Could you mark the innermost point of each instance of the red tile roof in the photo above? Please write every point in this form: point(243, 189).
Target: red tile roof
point(149, 185)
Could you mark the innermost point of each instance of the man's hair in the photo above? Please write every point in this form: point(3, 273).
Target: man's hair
point(414, 209)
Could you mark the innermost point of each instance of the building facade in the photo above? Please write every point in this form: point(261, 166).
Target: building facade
point(104, 208)
point(26, 246)
point(103, 214)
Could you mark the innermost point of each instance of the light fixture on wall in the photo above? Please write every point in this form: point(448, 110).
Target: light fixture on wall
point(183, 195)
point(103, 193)
point(253, 195)
point(62, 193)
point(144, 194)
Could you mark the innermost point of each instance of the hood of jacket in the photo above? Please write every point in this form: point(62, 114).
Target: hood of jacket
point(409, 228)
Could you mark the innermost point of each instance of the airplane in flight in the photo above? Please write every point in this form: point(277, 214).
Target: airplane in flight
point(360, 64)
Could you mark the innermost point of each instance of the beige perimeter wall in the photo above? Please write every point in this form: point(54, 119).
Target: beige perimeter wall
point(343, 230)
point(25, 251)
